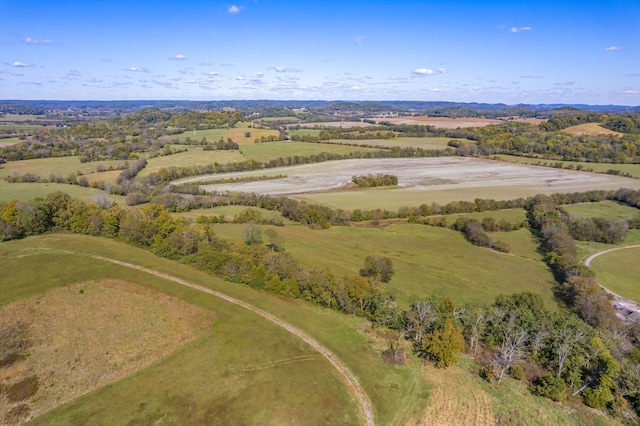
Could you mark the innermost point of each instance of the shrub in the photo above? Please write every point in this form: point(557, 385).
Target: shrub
point(516, 372)
point(553, 387)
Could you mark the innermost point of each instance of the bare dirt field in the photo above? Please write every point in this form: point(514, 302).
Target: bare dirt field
point(447, 123)
point(427, 179)
point(85, 336)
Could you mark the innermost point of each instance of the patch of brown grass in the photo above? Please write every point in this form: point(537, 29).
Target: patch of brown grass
point(87, 335)
point(590, 129)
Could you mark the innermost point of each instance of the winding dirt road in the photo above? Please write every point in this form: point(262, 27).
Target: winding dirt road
point(366, 407)
point(626, 310)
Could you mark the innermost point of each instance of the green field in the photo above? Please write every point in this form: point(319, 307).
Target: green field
point(424, 143)
point(619, 271)
point(632, 169)
point(230, 212)
point(271, 150)
point(510, 215)
point(63, 166)
point(304, 132)
point(604, 209)
point(29, 191)
point(189, 158)
point(243, 372)
point(427, 260)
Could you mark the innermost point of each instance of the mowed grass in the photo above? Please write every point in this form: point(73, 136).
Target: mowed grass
point(427, 260)
point(271, 150)
point(424, 143)
point(244, 371)
point(63, 166)
point(190, 158)
point(619, 271)
point(603, 209)
point(29, 191)
point(304, 132)
point(632, 169)
point(230, 212)
point(513, 216)
point(590, 129)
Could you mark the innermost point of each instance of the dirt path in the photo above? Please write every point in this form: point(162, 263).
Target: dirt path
point(366, 407)
point(626, 309)
point(455, 400)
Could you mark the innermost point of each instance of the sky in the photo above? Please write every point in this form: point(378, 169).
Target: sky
point(493, 51)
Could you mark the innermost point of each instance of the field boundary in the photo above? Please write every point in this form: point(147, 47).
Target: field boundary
point(626, 309)
point(366, 407)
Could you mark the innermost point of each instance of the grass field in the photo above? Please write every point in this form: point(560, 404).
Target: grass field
point(230, 212)
point(619, 271)
point(239, 372)
point(189, 158)
point(632, 169)
point(604, 209)
point(63, 166)
point(29, 191)
point(511, 215)
point(427, 260)
point(304, 132)
point(9, 141)
point(424, 143)
point(590, 129)
point(271, 150)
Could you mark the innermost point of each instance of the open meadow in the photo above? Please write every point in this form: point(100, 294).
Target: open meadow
point(619, 271)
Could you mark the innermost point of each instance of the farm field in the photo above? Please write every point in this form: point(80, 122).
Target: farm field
point(604, 209)
point(63, 166)
point(590, 129)
point(445, 122)
point(271, 150)
point(191, 157)
point(632, 169)
point(427, 260)
point(29, 191)
point(420, 180)
point(223, 374)
point(335, 124)
point(424, 143)
point(619, 271)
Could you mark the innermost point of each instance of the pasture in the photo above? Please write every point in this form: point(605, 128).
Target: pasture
point(427, 260)
point(191, 157)
point(239, 371)
point(444, 122)
point(63, 166)
point(619, 271)
point(271, 150)
point(402, 142)
point(590, 129)
point(29, 191)
point(604, 209)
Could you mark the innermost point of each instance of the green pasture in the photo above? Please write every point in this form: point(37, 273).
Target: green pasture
point(29, 191)
point(230, 212)
point(510, 215)
point(212, 135)
point(271, 150)
point(190, 158)
point(587, 248)
point(9, 141)
point(427, 260)
point(244, 371)
point(619, 271)
point(403, 142)
point(63, 166)
point(603, 209)
point(393, 199)
point(304, 132)
point(632, 169)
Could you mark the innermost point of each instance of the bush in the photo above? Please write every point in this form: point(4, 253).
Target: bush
point(553, 387)
point(516, 372)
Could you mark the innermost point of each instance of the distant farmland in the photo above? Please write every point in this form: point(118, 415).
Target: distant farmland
point(420, 180)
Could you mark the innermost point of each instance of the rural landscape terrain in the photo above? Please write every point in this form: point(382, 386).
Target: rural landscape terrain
point(317, 262)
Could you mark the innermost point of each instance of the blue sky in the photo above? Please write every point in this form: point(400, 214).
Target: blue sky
point(467, 51)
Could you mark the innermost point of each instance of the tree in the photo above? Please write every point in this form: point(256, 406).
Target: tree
point(378, 268)
point(443, 345)
point(275, 240)
point(510, 351)
point(252, 233)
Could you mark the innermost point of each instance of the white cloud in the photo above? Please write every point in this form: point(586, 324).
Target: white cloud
point(427, 71)
point(612, 48)
point(284, 69)
point(136, 69)
point(519, 29)
point(361, 39)
point(531, 76)
point(179, 57)
point(234, 10)
point(630, 92)
point(17, 64)
point(33, 41)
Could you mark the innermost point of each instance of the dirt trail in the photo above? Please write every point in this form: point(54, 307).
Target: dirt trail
point(455, 400)
point(366, 407)
point(626, 309)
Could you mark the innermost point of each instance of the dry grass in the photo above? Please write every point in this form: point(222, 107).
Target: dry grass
point(455, 399)
point(590, 129)
point(87, 335)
